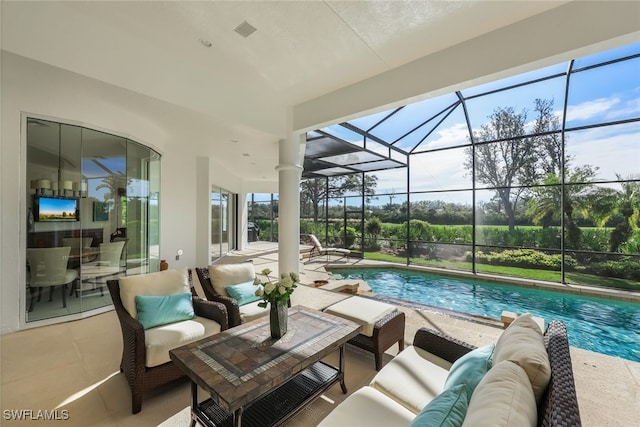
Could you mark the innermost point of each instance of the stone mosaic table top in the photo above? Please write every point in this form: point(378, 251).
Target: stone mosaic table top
point(239, 365)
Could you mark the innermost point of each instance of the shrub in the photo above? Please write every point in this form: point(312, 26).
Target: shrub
point(524, 258)
point(625, 268)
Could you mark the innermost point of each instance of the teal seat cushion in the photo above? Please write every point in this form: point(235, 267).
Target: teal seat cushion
point(244, 293)
point(161, 310)
point(447, 409)
point(470, 368)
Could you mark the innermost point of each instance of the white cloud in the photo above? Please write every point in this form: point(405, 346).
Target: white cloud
point(589, 109)
point(608, 148)
point(630, 109)
point(456, 134)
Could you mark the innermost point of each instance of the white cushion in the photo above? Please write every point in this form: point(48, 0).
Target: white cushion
point(368, 407)
point(522, 343)
point(161, 339)
point(413, 378)
point(363, 311)
point(222, 275)
point(502, 399)
point(251, 311)
point(162, 283)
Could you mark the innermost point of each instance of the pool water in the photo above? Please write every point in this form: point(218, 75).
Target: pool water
point(602, 325)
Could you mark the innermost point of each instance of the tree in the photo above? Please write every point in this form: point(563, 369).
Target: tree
point(545, 206)
point(506, 163)
point(607, 203)
point(373, 228)
point(314, 191)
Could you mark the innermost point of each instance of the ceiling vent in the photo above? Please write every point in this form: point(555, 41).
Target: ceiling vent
point(245, 29)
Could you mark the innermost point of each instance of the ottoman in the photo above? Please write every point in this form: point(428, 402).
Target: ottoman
point(382, 324)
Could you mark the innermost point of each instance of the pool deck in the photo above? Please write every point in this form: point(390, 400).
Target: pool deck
point(608, 388)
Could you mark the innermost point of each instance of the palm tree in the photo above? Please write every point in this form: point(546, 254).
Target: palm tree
point(545, 206)
point(608, 203)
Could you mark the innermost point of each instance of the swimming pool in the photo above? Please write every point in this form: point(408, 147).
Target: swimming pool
point(602, 325)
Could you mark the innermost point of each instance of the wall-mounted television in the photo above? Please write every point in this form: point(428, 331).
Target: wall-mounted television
point(56, 209)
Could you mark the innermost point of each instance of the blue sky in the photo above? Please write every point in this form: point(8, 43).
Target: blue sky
point(598, 95)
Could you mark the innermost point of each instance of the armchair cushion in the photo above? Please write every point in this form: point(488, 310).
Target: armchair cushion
point(168, 282)
point(222, 275)
point(161, 339)
point(251, 311)
point(244, 293)
point(162, 310)
point(448, 409)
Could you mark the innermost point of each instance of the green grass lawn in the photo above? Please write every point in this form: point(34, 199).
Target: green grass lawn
point(528, 273)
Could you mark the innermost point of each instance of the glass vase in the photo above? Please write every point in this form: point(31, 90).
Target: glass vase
point(278, 316)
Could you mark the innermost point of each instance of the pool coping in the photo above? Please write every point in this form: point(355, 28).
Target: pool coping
point(585, 290)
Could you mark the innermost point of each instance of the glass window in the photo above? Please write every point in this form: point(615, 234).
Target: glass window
point(95, 197)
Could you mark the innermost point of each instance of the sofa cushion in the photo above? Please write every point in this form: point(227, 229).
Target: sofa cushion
point(162, 310)
point(368, 407)
point(168, 282)
point(161, 339)
point(413, 378)
point(222, 275)
point(448, 409)
point(503, 398)
point(251, 311)
point(522, 343)
point(470, 368)
point(244, 293)
point(363, 311)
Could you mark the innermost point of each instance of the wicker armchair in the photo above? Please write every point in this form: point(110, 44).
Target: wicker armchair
point(140, 377)
point(559, 405)
point(233, 309)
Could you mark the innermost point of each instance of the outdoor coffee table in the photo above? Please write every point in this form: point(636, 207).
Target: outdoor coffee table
point(255, 380)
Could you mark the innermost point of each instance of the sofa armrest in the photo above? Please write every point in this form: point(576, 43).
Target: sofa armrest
point(211, 310)
point(559, 406)
point(441, 345)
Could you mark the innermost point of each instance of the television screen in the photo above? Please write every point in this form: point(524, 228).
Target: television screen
point(56, 209)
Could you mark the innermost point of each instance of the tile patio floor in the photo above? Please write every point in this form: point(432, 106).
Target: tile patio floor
point(74, 366)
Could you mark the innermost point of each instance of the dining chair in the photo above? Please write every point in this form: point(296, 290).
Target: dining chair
point(108, 264)
point(48, 268)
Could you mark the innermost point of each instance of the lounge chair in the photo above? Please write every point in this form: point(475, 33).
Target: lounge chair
point(318, 249)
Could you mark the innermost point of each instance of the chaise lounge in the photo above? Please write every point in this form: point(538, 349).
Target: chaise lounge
point(317, 249)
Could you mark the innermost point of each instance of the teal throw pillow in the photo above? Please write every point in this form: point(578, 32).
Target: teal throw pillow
point(161, 310)
point(470, 368)
point(447, 409)
point(244, 293)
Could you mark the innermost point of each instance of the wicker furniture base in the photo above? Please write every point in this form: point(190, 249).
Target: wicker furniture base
point(387, 331)
point(256, 380)
point(278, 406)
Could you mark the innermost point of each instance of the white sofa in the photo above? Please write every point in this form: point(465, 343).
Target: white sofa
point(523, 386)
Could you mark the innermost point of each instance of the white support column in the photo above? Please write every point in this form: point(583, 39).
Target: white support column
point(289, 173)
